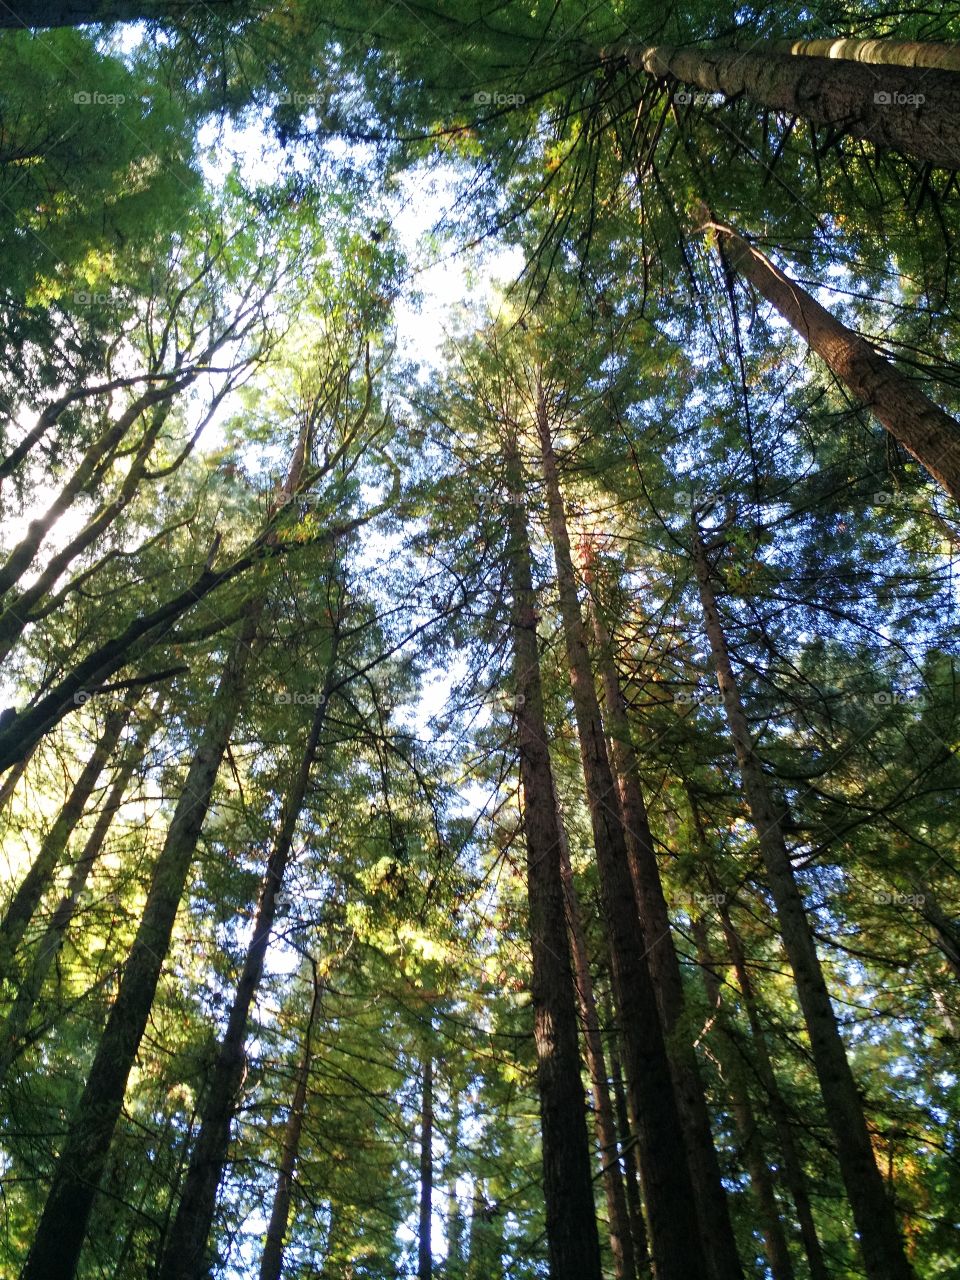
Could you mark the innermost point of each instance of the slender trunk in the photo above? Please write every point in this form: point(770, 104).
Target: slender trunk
point(572, 1240)
point(39, 878)
point(748, 1131)
point(485, 1260)
point(792, 1163)
point(63, 1223)
point(621, 1243)
point(885, 53)
point(664, 969)
point(631, 1172)
point(915, 111)
point(271, 1263)
point(9, 784)
point(424, 1241)
point(874, 1214)
point(454, 1264)
point(922, 427)
point(678, 1249)
point(185, 1252)
point(14, 1032)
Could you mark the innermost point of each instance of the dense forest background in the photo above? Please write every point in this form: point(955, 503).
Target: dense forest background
point(479, 636)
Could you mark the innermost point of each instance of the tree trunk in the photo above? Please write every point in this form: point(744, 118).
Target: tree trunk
point(62, 1227)
point(884, 53)
point(18, 1019)
point(873, 1212)
point(184, 1254)
point(922, 427)
point(271, 1263)
point(748, 1131)
point(631, 1172)
point(573, 1243)
point(14, 774)
point(39, 878)
point(664, 969)
point(621, 1242)
point(424, 1240)
point(454, 1269)
point(679, 1251)
point(911, 110)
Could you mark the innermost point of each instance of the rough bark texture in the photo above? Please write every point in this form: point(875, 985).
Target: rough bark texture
point(880, 1240)
point(665, 969)
point(886, 53)
point(676, 1241)
point(185, 1251)
point(18, 1019)
point(921, 426)
point(621, 1242)
point(748, 1130)
point(424, 1240)
point(39, 878)
point(271, 1263)
point(63, 1223)
point(572, 1240)
point(911, 110)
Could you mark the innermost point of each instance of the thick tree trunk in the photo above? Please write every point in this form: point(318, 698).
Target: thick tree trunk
point(925, 430)
point(424, 1235)
point(185, 1251)
point(664, 968)
point(572, 1240)
point(621, 1242)
point(271, 1263)
point(676, 1239)
point(884, 53)
point(748, 1130)
point(880, 1239)
point(18, 1019)
point(63, 1223)
point(39, 878)
point(911, 110)
point(631, 1171)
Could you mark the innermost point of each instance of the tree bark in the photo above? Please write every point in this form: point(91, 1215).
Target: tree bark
point(621, 1242)
point(664, 967)
point(424, 1235)
point(911, 110)
point(884, 53)
point(271, 1263)
point(880, 1240)
point(631, 1171)
point(18, 1019)
point(573, 1243)
point(60, 1233)
point(922, 427)
point(748, 1130)
point(677, 1245)
point(184, 1254)
point(39, 878)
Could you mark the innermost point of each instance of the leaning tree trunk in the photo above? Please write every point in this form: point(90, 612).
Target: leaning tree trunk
point(621, 1242)
point(424, 1235)
point(911, 110)
point(748, 1130)
point(880, 1239)
point(14, 1032)
point(271, 1263)
point(922, 427)
point(39, 878)
point(573, 1243)
point(884, 53)
point(184, 1255)
point(63, 1223)
point(677, 1234)
point(663, 963)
